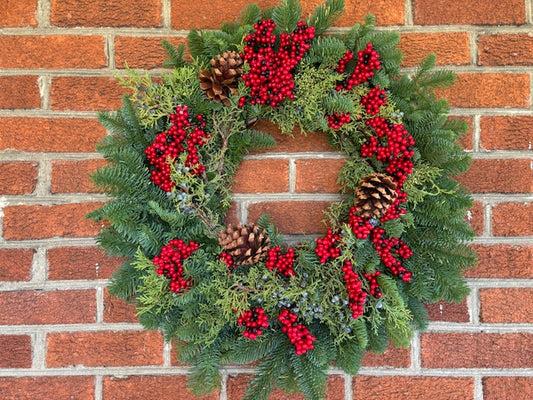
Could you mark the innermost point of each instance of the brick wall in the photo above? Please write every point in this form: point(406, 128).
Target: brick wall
point(63, 337)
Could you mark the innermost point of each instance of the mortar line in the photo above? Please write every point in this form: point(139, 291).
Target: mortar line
point(292, 175)
point(99, 298)
point(39, 267)
point(476, 135)
point(487, 220)
point(478, 388)
point(416, 363)
point(224, 386)
point(348, 386)
point(38, 345)
point(44, 177)
point(98, 387)
point(529, 16)
point(44, 82)
point(473, 38)
point(42, 14)
point(409, 13)
point(110, 51)
point(166, 354)
point(166, 14)
point(474, 305)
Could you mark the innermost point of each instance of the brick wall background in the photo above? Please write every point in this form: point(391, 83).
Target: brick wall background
point(63, 337)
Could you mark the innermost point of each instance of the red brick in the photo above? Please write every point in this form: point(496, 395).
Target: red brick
point(475, 12)
point(69, 176)
point(160, 387)
point(118, 310)
point(412, 387)
point(18, 177)
point(262, 176)
point(104, 349)
point(142, 52)
point(502, 261)
point(14, 14)
point(507, 387)
point(236, 387)
point(52, 51)
point(392, 357)
point(499, 176)
point(507, 133)
point(68, 13)
point(451, 48)
point(488, 90)
point(16, 264)
point(298, 142)
point(467, 140)
point(476, 218)
point(19, 92)
point(15, 351)
point(232, 214)
point(66, 263)
point(318, 175)
point(505, 49)
point(85, 93)
point(449, 312)
point(387, 12)
point(48, 387)
point(512, 219)
point(292, 217)
point(34, 307)
point(53, 134)
point(39, 222)
point(477, 350)
point(506, 305)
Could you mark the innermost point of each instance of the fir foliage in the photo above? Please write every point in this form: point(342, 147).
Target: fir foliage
point(203, 320)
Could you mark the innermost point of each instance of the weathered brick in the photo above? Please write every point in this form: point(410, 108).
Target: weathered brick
point(16, 264)
point(499, 176)
point(34, 307)
point(477, 350)
point(412, 387)
point(48, 387)
point(15, 351)
point(501, 305)
point(507, 387)
point(236, 387)
point(262, 176)
point(292, 217)
point(505, 49)
point(53, 134)
point(104, 349)
point(142, 52)
point(39, 222)
point(451, 48)
point(19, 91)
point(115, 13)
point(488, 90)
point(85, 93)
point(503, 261)
point(475, 12)
point(66, 263)
point(449, 312)
point(506, 133)
point(318, 175)
point(118, 310)
point(512, 219)
point(15, 14)
point(18, 177)
point(295, 143)
point(160, 387)
point(392, 357)
point(52, 51)
point(73, 176)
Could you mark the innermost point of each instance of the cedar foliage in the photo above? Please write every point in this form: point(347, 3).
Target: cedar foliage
point(203, 320)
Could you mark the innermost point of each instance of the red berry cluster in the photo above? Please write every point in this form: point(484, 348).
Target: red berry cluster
point(335, 121)
point(170, 263)
point(228, 259)
point(388, 248)
point(375, 290)
point(283, 263)
point(179, 138)
point(361, 227)
point(367, 63)
point(374, 100)
point(393, 146)
point(298, 334)
point(270, 78)
point(324, 247)
point(254, 321)
point(356, 294)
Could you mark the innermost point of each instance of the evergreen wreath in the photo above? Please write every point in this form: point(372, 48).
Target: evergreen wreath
point(238, 294)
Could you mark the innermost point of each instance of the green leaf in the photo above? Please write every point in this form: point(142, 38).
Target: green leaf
point(286, 15)
point(325, 15)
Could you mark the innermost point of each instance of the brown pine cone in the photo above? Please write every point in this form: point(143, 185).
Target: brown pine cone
point(247, 244)
point(223, 77)
point(374, 195)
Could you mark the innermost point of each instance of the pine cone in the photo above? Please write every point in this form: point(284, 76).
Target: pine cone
point(375, 194)
point(222, 79)
point(247, 244)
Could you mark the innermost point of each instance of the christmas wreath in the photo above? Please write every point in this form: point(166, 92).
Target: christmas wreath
point(237, 293)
